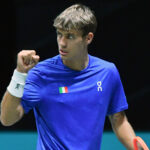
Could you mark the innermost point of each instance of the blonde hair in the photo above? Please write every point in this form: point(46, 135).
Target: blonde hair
point(77, 17)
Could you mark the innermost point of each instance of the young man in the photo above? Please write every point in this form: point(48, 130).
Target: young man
point(71, 93)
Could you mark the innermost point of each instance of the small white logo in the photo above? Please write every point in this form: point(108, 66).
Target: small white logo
point(99, 84)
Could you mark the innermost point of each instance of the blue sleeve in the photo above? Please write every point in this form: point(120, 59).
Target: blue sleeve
point(31, 96)
point(118, 100)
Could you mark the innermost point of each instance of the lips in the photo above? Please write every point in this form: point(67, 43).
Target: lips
point(63, 52)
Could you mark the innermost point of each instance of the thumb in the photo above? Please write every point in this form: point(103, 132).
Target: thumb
point(35, 59)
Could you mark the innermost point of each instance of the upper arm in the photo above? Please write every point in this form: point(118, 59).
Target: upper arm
point(117, 119)
point(11, 109)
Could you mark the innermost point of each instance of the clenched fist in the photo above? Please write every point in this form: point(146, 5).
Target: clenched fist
point(26, 60)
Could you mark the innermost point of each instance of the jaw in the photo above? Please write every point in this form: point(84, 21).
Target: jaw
point(76, 62)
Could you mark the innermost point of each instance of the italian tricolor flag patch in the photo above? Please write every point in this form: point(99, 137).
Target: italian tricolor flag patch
point(63, 89)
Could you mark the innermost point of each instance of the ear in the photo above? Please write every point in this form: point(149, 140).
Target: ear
point(89, 37)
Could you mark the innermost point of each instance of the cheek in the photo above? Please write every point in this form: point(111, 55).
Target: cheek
point(80, 45)
point(57, 40)
point(75, 45)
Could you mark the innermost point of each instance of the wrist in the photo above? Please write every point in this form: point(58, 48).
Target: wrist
point(20, 70)
point(17, 83)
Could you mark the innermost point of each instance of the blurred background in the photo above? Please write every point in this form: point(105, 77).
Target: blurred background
point(121, 38)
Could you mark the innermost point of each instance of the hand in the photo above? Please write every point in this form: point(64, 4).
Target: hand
point(139, 147)
point(26, 60)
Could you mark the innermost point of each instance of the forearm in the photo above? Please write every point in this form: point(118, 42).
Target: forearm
point(11, 110)
point(122, 129)
point(125, 134)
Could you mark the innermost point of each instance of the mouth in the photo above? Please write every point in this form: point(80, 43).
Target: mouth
point(63, 52)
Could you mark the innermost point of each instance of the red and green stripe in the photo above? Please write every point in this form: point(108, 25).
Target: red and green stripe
point(63, 90)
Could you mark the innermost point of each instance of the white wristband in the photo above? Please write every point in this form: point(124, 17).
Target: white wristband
point(16, 85)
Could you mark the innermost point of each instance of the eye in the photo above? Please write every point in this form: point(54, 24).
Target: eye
point(70, 36)
point(59, 34)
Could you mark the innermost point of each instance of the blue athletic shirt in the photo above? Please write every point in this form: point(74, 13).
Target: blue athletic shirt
point(70, 106)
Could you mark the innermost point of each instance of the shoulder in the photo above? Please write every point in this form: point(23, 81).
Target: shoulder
point(102, 64)
point(106, 68)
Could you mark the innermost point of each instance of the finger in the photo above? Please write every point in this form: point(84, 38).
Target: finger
point(32, 52)
point(35, 58)
point(29, 66)
point(27, 59)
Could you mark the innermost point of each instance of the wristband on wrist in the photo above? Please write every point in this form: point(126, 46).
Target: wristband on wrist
point(16, 85)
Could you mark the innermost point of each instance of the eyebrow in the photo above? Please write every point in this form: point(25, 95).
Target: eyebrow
point(68, 33)
point(57, 31)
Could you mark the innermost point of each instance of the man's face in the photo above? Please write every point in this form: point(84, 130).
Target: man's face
point(71, 44)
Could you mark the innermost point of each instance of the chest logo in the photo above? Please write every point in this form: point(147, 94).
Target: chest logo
point(99, 86)
point(63, 89)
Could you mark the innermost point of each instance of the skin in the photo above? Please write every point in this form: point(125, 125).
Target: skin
point(11, 109)
point(122, 129)
point(74, 54)
point(73, 48)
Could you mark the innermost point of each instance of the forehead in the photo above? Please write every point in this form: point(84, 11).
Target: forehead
point(74, 32)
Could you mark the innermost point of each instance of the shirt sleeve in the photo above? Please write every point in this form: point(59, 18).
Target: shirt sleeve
point(118, 100)
point(31, 96)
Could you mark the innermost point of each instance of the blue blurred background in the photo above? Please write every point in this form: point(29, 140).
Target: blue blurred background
point(121, 37)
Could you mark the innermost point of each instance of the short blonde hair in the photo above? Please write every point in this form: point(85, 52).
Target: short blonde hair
point(77, 17)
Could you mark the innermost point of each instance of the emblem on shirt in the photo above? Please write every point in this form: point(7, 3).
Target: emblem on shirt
point(99, 86)
point(63, 89)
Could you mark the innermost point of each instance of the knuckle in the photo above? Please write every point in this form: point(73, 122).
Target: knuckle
point(20, 53)
point(32, 51)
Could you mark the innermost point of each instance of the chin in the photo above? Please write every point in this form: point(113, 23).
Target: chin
point(65, 58)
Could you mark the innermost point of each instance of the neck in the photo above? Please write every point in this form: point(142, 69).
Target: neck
point(78, 64)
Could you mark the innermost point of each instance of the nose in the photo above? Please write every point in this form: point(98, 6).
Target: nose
point(62, 42)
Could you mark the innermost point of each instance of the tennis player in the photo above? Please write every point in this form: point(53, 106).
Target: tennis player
point(72, 93)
